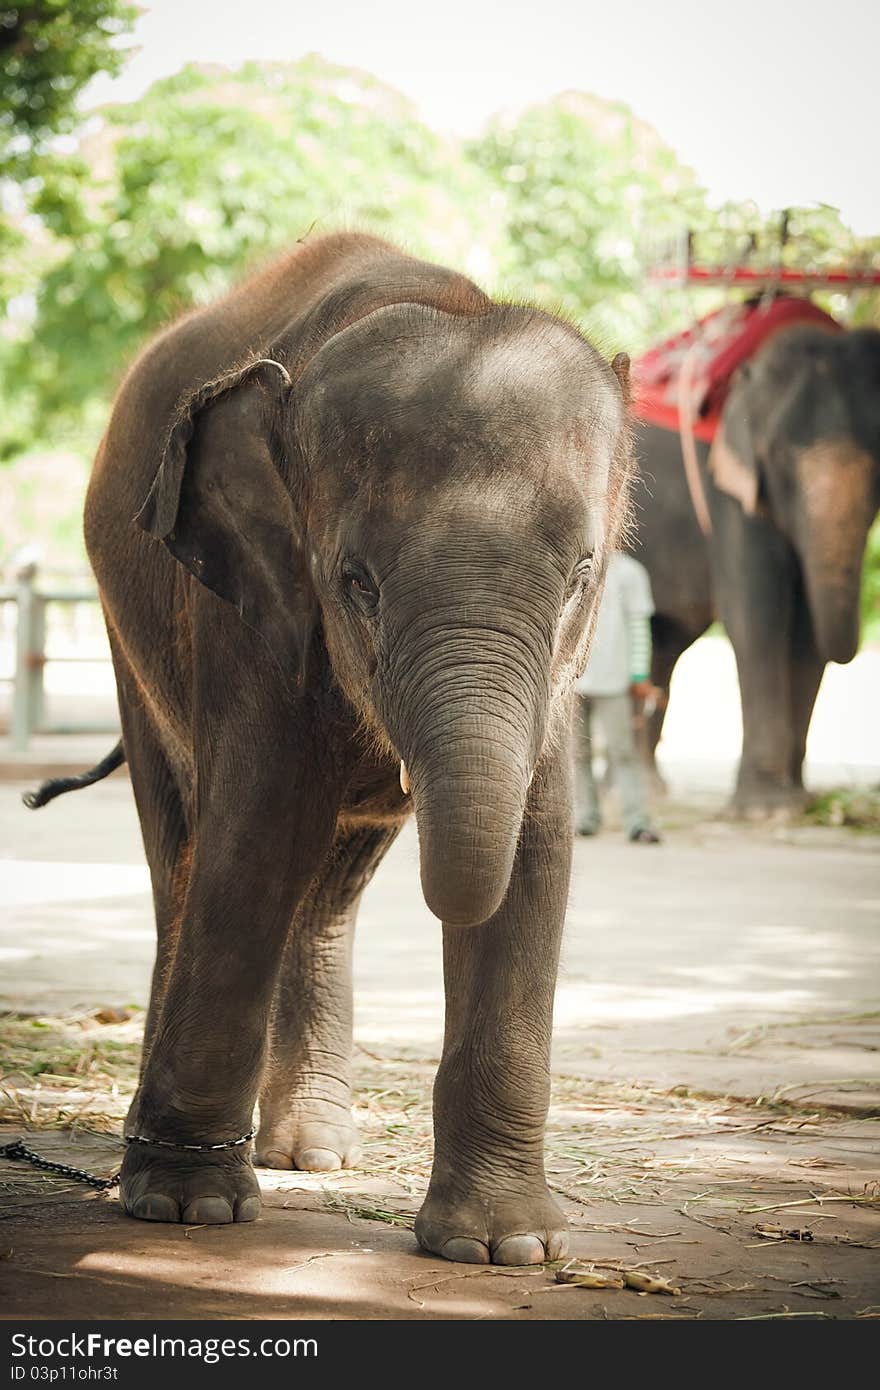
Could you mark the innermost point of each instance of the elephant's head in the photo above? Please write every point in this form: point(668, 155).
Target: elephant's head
point(432, 501)
point(800, 444)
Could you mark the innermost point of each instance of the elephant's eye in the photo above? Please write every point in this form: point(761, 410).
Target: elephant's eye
point(579, 576)
point(359, 586)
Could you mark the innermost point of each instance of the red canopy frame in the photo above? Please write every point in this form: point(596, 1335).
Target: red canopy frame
point(679, 264)
point(755, 278)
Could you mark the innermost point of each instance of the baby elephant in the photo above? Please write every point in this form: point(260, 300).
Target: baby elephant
point(350, 525)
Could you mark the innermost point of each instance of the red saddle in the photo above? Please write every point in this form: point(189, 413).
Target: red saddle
point(712, 349)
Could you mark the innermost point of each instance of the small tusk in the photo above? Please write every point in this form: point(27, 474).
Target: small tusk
point(404, 779)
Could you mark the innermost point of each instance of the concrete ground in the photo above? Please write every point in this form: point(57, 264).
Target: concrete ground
point(716, 1104)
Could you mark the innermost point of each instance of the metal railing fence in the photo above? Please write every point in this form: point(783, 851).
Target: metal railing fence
point(28, 703)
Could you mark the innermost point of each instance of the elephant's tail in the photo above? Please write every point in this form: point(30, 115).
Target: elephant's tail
point(56, 786)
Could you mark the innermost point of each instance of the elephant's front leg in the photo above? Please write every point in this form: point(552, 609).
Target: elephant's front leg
point(305, 1101)
point(200, 1082)
point(488, 1199)
point(755, 579)
point(806, 670)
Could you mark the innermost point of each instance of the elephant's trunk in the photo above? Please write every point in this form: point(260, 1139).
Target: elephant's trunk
point(469, 799)
point(834, 603)
point(837, 485)
point(473, 731)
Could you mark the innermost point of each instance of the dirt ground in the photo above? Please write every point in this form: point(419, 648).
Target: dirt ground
point(715, 1120)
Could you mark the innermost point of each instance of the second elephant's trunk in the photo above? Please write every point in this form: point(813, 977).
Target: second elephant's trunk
point(837, 485)
point(834, 604)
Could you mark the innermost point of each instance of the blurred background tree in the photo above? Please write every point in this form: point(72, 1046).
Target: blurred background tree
point(585, 183)
point(207, 175)
point(49, 51)
point(114, 222)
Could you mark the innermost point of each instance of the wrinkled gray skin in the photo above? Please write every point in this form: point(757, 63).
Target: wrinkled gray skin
point(396, 553)
point(792, 485)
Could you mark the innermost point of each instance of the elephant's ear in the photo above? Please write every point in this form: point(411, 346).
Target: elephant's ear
point(733, 460)
point(219, 504)
point(620, 366)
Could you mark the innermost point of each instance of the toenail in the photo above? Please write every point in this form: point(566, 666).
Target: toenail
point(557, 1245)
point(274, 1158)
point(155, 1207)
point(318, 1160)
point(248, 1209)
point(464, 1250)
point(519, 1250)
point(208, 1211)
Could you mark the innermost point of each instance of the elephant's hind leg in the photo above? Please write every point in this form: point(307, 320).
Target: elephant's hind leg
point(163, 821)
point(305, 1101)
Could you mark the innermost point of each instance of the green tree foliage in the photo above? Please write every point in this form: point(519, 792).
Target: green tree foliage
point(49, 51)
point(593, 196)
point(161, 203)
point(169, 198)
point(210, 173)
point(586, 184)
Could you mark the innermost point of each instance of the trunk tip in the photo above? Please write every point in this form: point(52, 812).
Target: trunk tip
point(461, 904)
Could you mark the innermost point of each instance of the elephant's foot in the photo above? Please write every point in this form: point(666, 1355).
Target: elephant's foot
point(762, 803)
point(492, 1229)
point(317, 1141)
point(654, 782)
point(158, 1184)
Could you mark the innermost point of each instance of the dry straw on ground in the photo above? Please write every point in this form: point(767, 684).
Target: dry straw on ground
point(651, 1176)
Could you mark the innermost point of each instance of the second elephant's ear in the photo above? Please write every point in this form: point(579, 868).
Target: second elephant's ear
point(219, 504)
point(733, 458)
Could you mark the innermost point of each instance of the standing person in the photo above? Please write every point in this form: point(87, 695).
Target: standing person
point(619, 665)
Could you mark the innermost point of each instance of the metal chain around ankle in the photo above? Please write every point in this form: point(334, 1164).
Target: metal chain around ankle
point(18, 1151)
point(191, 1148)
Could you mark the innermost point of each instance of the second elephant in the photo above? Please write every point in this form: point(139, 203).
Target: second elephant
point(792, 484)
